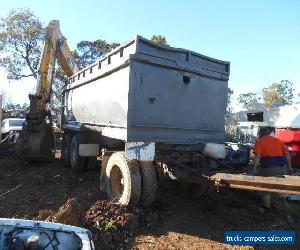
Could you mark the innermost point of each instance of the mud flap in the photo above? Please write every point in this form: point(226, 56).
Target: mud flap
point(140, 151)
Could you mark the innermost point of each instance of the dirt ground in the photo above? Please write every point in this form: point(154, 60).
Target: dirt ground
point(54, 193)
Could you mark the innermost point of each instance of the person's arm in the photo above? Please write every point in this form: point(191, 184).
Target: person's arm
point(289, 162)
point(257, 155)
point(256, 163)
point(288, 159)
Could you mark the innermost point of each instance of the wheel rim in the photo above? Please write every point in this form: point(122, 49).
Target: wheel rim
point(116, 182)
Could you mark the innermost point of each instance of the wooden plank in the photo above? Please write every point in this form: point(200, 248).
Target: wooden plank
point(252, 188)
point(284, 180)
point(285, 184)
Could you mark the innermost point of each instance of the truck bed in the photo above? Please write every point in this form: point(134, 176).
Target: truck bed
point(143, 91)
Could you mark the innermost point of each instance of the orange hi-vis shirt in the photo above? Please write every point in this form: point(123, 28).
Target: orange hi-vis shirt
point(269, 146)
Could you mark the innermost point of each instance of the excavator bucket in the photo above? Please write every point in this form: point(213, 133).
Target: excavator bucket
point(36, 144)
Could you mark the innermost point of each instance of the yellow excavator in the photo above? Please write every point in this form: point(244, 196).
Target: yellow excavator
point(36, 140)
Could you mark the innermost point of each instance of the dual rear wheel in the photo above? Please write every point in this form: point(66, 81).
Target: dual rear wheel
point(130, 182)
point(70, 153)
point(126, 182)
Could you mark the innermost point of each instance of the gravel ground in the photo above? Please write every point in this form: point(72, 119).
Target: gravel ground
point(52, 192)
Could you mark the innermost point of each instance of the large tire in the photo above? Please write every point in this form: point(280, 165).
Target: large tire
point(77, 162)
point(66, 148)
point(123, 183)
point(149, 183)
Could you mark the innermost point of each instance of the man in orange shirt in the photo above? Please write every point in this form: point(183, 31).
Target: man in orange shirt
point(273, 158)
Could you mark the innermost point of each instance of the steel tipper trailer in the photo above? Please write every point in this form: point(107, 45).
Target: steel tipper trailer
point(145, 109)
point(143, 103)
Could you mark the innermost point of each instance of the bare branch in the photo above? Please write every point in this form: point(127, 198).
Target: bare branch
point(21, 36)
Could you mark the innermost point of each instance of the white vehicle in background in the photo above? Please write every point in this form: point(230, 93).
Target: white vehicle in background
point(10, 128)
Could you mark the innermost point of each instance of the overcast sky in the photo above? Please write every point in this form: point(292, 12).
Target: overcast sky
point(260, 38)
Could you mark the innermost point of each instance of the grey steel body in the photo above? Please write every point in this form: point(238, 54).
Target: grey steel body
point(149, 108)
point(146, 92)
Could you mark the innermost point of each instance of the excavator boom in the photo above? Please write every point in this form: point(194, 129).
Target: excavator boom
point(36, 141)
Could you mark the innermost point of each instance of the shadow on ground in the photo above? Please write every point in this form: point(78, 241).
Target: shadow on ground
point(175, 221)
point(183, 223)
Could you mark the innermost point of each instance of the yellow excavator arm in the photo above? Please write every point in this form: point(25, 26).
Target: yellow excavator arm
point(36, 141)
point(55, 48)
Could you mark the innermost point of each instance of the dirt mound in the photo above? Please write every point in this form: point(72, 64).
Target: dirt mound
point(111, 224)
point(104, 216)
point(51, 192)
point(44, 214)
point(69, 213)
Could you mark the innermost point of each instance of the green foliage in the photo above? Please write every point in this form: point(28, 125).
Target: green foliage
point(231, 135)
point(109, 226)
point(16, 106)
point(56, 96)
point(88, 52)
point(159, 39)
point(278, 93)
point(11, 105)
point(248, 98)
point(21, 39)
point(228, 107)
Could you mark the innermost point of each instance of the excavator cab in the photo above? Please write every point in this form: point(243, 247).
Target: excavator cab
point(37, 141)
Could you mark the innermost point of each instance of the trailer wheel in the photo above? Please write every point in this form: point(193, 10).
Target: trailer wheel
point(66, 146)
point(123, 184)
point(77, 162)
point(149, 183)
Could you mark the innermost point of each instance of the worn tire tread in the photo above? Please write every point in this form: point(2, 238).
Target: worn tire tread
point(131, 175)
point(80, 163)
point(149, 183)
point(66, 144)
